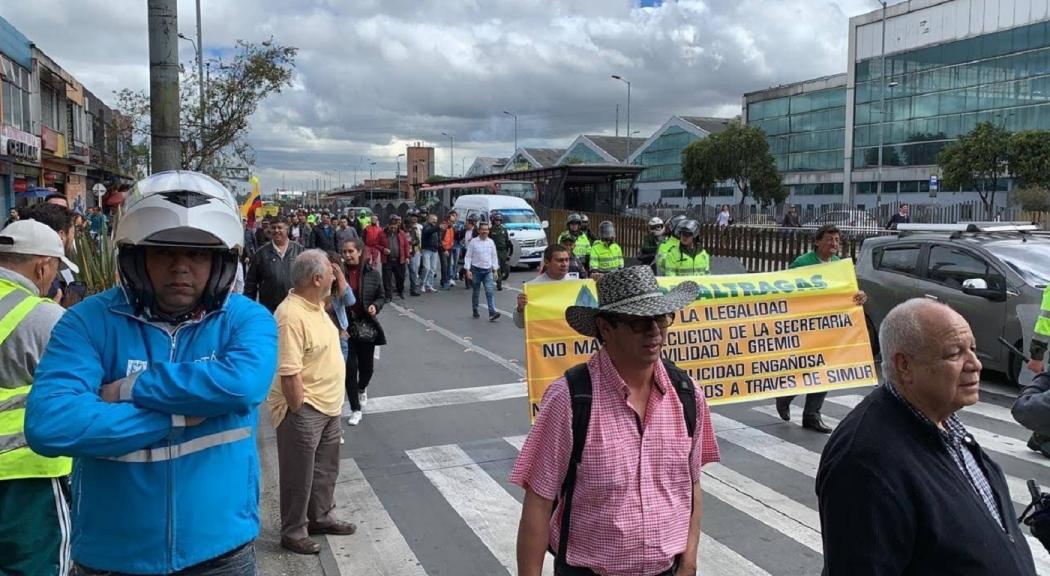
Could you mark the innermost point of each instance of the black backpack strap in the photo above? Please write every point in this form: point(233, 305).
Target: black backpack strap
point(579, 381)
point(683, 385)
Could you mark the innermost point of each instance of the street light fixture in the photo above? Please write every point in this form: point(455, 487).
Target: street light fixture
point(451, 155)
point(515, 116)
point(621, 79)
point(200, 71)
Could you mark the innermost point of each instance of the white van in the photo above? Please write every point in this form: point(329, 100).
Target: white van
point(520, 220)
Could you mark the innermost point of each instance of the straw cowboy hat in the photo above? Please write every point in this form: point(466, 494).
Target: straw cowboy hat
point(632, 292)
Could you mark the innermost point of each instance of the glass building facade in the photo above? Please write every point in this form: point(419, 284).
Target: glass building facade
point(937, 93)
point(663, 158)
point(583, 154)
point(806, 132)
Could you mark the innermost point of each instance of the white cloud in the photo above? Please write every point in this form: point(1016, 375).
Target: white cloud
point(373, 75)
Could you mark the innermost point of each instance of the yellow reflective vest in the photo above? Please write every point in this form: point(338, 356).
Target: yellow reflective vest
point(677, 263)
point(661, 254)
point(582, 249)
point(1041, 338)
point(16, 459)
point(606, 257)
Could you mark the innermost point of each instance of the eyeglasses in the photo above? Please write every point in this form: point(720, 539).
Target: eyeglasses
point(640, 324)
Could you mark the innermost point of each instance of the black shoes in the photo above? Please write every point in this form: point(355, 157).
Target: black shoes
point(815, 424)
point(1040, 444)
point(476, 315)
point(494, 316)
point(784, 408)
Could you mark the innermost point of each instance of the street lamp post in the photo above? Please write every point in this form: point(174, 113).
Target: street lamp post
point(197, 48)
point(397, 173)
point(515, 116)
point(621, 79)
point(451, 154)
point(371, 183)
point(882, 110)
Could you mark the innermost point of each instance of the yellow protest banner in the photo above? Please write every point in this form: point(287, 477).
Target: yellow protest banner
point(745, 337)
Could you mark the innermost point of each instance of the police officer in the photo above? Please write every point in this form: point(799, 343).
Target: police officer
point(606, 254)
point(687, 258)
point(652, 241)
point(582, 244)
point(670, 241)
point(585, 228)
point(504, 247)
point(34, 515)
point(1029, 406)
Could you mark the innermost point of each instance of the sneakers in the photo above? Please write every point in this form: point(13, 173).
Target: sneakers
point(494, 316)
point(476, 315)
point(355, 418)
point(362, 398)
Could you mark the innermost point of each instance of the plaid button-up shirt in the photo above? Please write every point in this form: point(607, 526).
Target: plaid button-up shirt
point(955, 439)
point(633, 496)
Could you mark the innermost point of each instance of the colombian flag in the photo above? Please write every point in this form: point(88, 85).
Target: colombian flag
point(253, 203)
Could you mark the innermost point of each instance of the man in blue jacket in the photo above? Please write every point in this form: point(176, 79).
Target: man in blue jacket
point(153, 389)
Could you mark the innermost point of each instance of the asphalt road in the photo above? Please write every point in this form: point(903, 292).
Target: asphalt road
point(424, 475)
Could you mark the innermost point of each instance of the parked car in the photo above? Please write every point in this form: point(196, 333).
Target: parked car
point(994, 279)
point(845, 219)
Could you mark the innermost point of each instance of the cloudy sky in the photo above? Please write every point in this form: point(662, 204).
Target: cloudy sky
point(375, 75)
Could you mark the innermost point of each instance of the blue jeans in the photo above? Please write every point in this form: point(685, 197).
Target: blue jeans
point(453, 261)
point(483, 276)
point(414, 281)
point(239, 562)
point(430, 268)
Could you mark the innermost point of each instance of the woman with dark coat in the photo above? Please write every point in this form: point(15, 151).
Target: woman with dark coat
point(365, 332)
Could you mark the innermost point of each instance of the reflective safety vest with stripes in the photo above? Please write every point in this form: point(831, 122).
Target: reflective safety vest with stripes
point(678, 263)
point(1041, 338)
point(606, 258)
point(661, 254)
point(582, 248)
point(16, 459)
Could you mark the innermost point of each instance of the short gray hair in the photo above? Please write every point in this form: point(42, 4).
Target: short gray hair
point(901, 331)
point(307, 265)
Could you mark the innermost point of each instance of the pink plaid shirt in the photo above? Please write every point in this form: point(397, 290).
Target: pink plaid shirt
point(633, 497)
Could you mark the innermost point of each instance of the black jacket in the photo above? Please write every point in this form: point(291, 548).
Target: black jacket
point(431, 237)
point(370, 294)
point(269, 276)
point(893, 502)
point(318, 238)
point(1032, 408)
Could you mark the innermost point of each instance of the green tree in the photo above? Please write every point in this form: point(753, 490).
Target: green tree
point(1032, 199)
point(742, 156)
point(233, 91)
point(977, 161)
point(700, 169)
point(1030, 158)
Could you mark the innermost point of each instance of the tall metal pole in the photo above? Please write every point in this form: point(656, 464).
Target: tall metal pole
point(165, 137)
point(515, 116)
point(200, 68)
point(882, 111)
point(451, 155)
point(622, 79)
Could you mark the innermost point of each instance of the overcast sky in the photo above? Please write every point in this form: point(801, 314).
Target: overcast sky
point(375, 75)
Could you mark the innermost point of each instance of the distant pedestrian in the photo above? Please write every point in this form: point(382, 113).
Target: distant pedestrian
point(610, 446)
point(725, 218)
point(791, 218)
point(482, 262)
point(431, 245)
point(901, 217)
point(305, 403)
point(12, 216)
point(323, 235)
point(445, 253)
point(651, 242)
point(34, 508)
point(902, 486)
point(365, 331)
point(415, 262)
point(581, 241)
point(153, 388)
point(577, 270)
point(344, 232)
point(606, 254)
point(376, 247)
point(504, 247)
point(396, 259)
point(269, 276)
point(555, 269)
point(463, 238)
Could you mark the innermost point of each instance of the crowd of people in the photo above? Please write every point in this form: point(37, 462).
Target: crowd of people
point(138, 407)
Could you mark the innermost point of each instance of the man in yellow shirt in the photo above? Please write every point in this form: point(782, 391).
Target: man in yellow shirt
point(305, 402)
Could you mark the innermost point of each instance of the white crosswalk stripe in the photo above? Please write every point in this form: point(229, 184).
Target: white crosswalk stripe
point(988, 440)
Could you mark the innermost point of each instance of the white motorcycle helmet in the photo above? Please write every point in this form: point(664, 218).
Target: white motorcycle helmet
point(655, 221)
point(178, 208)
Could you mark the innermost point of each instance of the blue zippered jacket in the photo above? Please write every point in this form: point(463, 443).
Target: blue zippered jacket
point(150, 494)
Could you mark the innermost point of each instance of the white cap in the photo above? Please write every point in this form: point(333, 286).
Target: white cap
point(33, 238)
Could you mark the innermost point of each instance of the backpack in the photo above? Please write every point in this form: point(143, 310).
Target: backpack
point(579, 380)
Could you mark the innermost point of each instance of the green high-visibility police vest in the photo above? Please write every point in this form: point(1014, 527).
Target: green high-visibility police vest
point(16, 459)
point(1042, 324)
point(661, 254)
point(606, 258)
point(582, 249)
point(678, 263)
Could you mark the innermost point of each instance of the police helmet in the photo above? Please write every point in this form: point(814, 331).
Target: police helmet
point(575, 218)
point(656, 221)
point(606, 230)
point(688, 226)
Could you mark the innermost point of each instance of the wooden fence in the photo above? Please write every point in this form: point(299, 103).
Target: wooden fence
point(760, 249)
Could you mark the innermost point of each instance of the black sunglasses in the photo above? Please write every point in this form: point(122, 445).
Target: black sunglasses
point(640, 324)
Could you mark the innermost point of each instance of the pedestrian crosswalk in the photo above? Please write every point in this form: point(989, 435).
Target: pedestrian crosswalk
point(760, 516)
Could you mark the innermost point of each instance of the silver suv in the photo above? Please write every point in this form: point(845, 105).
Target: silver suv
point(990, 274)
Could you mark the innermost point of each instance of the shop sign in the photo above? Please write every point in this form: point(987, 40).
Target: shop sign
point(18, 144)
point(21, 185)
